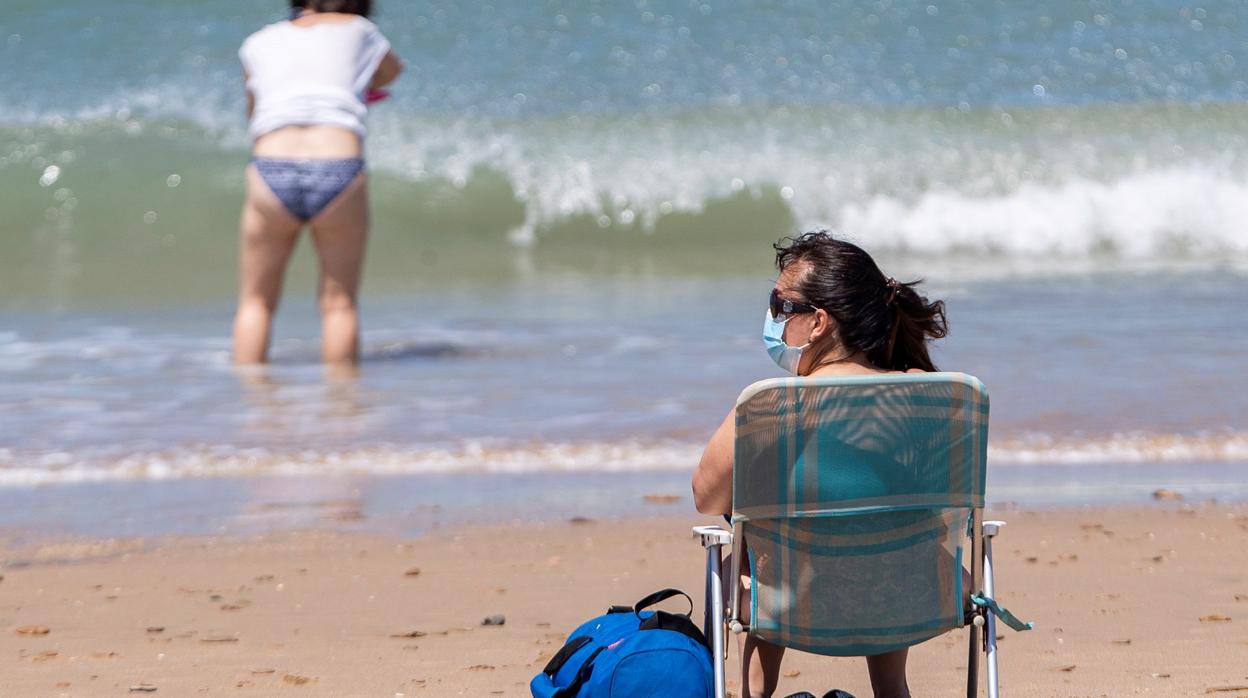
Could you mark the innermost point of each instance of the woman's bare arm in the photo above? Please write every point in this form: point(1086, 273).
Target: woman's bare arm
point(387, 71)
point(251, 98)
point(712, 481)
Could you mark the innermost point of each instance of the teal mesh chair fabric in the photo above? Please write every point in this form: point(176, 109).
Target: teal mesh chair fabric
point(854, 497)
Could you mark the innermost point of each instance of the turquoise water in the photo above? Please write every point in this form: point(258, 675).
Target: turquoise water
point(948, 128)
point(573, 207)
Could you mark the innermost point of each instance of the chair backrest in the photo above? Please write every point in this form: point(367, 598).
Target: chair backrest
point(854, 496)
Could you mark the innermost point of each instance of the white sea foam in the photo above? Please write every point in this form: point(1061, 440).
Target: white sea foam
point(631, 175)
point(475, 457)
point(1125, 448)
point(18, 470)
point(1186, 212)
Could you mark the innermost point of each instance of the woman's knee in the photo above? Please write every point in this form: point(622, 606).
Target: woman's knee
point(336, 301)
point(256, 302)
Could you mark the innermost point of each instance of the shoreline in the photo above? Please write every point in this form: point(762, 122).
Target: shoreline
point(413, 505)
point(339, 613)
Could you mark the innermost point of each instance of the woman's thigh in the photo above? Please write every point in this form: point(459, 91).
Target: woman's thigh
point(268, 233)
point(340, 233)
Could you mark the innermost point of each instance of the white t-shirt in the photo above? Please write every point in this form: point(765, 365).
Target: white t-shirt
point(314, 75)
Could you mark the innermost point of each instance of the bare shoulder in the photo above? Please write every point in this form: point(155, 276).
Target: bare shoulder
point(915, 370)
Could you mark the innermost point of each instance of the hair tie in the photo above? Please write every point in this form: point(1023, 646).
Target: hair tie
point(893, 287)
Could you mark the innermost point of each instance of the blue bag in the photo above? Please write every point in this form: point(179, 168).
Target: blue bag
point(631, 653)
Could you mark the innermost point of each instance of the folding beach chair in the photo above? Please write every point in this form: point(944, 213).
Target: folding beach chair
point(854, 498)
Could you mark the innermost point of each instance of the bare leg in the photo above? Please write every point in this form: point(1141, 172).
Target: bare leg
point(760, 660)
point(267, 233)
point(340, 233)
point(760, 667)
point(888, 674)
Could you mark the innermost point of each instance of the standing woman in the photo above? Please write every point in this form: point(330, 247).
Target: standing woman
point(307, 80)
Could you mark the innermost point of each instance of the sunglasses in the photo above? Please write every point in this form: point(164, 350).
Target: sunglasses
point(782, 308)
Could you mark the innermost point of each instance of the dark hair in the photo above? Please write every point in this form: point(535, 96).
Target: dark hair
point(351, 7)
point(886, 319)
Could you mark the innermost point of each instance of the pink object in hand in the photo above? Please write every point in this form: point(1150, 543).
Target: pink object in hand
point(375, 96)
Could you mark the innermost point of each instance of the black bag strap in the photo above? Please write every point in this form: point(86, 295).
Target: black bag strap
point(582, 675)
point(662, 620)
point(661, 595)
point(676, 622)
point(564, 654)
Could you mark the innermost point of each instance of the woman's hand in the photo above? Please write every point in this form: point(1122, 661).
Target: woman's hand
point(712, 481)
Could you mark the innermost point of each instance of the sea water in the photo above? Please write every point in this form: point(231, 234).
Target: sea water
point(573, 206)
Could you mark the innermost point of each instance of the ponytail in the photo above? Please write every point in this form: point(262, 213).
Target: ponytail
point(914, 322)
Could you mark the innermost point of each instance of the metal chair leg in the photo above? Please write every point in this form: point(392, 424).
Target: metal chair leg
point(972, 663)
point(991, 529)
point(713, 539)
point(977, 572)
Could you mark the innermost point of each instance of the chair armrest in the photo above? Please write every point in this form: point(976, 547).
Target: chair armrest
point(713, 535)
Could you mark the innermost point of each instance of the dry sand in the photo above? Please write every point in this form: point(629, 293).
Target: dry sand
point(1150, 600)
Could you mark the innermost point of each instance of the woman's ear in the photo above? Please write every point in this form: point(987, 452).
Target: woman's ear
point(824, 325)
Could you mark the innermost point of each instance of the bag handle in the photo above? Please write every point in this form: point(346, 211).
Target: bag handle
point(662, 620)
point(661, 595)
point(564, 654)
point(582, 675)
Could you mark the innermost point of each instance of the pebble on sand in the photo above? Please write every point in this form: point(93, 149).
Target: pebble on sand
point(33, 630)
point(494, 620)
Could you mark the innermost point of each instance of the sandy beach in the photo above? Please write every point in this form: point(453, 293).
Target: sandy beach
point(570, 248)
point(1128, 601)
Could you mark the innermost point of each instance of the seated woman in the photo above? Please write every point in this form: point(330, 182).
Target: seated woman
point(832, 313)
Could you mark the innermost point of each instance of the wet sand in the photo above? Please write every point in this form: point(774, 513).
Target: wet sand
point(1128, 601)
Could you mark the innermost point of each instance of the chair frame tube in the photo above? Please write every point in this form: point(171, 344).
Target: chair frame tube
point(714, 538)
point(972, 660)
point(991, 529)
point(734, 606)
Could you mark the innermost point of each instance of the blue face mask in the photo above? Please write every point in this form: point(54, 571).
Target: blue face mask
point(785, 356)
